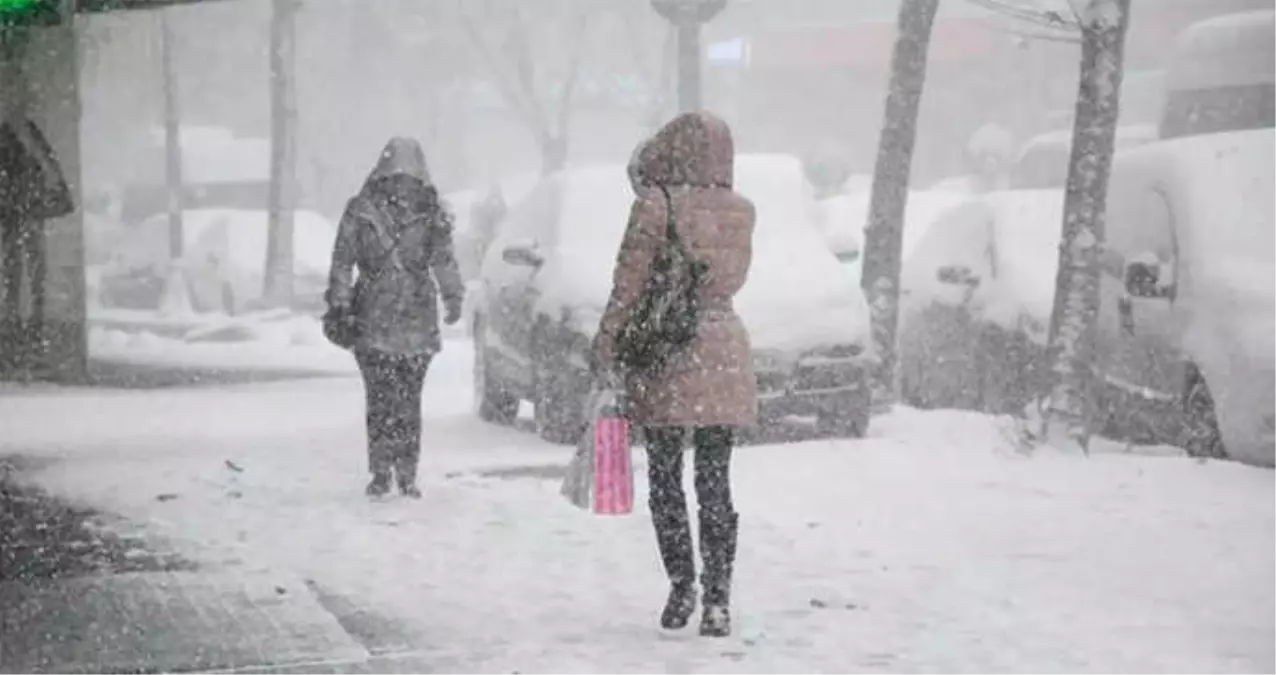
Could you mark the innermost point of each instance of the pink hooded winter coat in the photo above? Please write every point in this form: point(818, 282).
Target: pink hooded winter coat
point(712, 382)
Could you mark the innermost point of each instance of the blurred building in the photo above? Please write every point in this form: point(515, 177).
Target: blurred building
point(811, 83)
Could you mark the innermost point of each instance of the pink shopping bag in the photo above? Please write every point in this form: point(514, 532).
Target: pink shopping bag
point(613, 466)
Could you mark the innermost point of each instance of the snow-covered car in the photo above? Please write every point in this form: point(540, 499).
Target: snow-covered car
point(1188, 313)
point(470, 235)
point(1042, 164)
point(978, 285)
point(547, 277)
point(975, 300)
point(223, 261)
point(844, 217)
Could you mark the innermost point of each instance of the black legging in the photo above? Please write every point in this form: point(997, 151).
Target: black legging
point(668, 501)
point(712, 467)
point(392, 384)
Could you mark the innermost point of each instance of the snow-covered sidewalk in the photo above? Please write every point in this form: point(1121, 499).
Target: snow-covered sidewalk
point(929, 546)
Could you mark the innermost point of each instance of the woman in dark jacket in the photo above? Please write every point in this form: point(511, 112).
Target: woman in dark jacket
point(709, 390)
point(398, 235)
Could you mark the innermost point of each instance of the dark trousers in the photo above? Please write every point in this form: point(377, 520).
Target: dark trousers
point(392, 384)
point(22, 244)
point(713, 492)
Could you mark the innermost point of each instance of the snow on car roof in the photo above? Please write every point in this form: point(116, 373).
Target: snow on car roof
point(1126, 135)
point(797, 297)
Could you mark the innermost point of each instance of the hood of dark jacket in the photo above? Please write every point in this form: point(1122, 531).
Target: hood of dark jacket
point(694, 149)
point(401, 158)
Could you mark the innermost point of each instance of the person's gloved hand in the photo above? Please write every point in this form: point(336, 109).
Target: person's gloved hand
point(453, 313)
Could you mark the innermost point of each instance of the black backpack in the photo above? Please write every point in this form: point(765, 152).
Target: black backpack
point(667, 317)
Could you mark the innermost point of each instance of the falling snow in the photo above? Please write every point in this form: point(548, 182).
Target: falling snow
point(312, 314)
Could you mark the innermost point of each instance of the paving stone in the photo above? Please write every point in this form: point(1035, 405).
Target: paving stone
point(166, 621)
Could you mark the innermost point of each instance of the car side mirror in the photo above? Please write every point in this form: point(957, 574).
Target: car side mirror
point(847, 257)
point(522, 255)
point(957, 275)
point(1143, 280)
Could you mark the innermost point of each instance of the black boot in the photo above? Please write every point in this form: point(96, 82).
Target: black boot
point(380, 484)
point(673, 536)
point(679, 606)
point(405, 474)
point(717, 546)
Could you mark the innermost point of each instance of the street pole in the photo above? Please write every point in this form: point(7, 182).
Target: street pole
point(687, 16)
point(283, 156)
point(690, 72)
point(172, 139)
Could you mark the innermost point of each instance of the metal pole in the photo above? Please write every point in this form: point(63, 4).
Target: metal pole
point(279, 241)
point(690, 74)
point(172, 139)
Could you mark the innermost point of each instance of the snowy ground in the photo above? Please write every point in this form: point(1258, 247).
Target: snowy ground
point(929, 546)
point(274, 341)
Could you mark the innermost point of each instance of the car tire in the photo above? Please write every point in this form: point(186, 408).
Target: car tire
point(1200, 436)
point(849, 419)
point(559, 405)
point(494, 403)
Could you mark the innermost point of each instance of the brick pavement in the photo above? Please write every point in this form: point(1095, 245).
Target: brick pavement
point(166, 622)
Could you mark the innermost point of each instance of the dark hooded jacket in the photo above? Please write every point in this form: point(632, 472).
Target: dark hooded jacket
point(395, 297)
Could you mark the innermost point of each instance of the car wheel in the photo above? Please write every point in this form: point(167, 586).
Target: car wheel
point(848, 419)
point(560, 405)
point(1201, 437)
point(494, 403)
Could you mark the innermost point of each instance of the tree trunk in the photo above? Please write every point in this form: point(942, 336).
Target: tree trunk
point(283, 184)
point(883, 237)
point(1067, 411)
point(172, 139)
point(553, 154)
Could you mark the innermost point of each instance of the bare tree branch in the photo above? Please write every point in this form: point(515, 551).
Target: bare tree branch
point(1045, 18)
point(520, 52)
point(1057, 36)
point(573, 73)
point(509, 90)
point(517, 68)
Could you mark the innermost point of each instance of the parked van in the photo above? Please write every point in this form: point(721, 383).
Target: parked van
point(1188, 311)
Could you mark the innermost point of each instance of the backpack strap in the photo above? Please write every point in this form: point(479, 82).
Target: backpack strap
point(671, 224)
point(376, 218)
